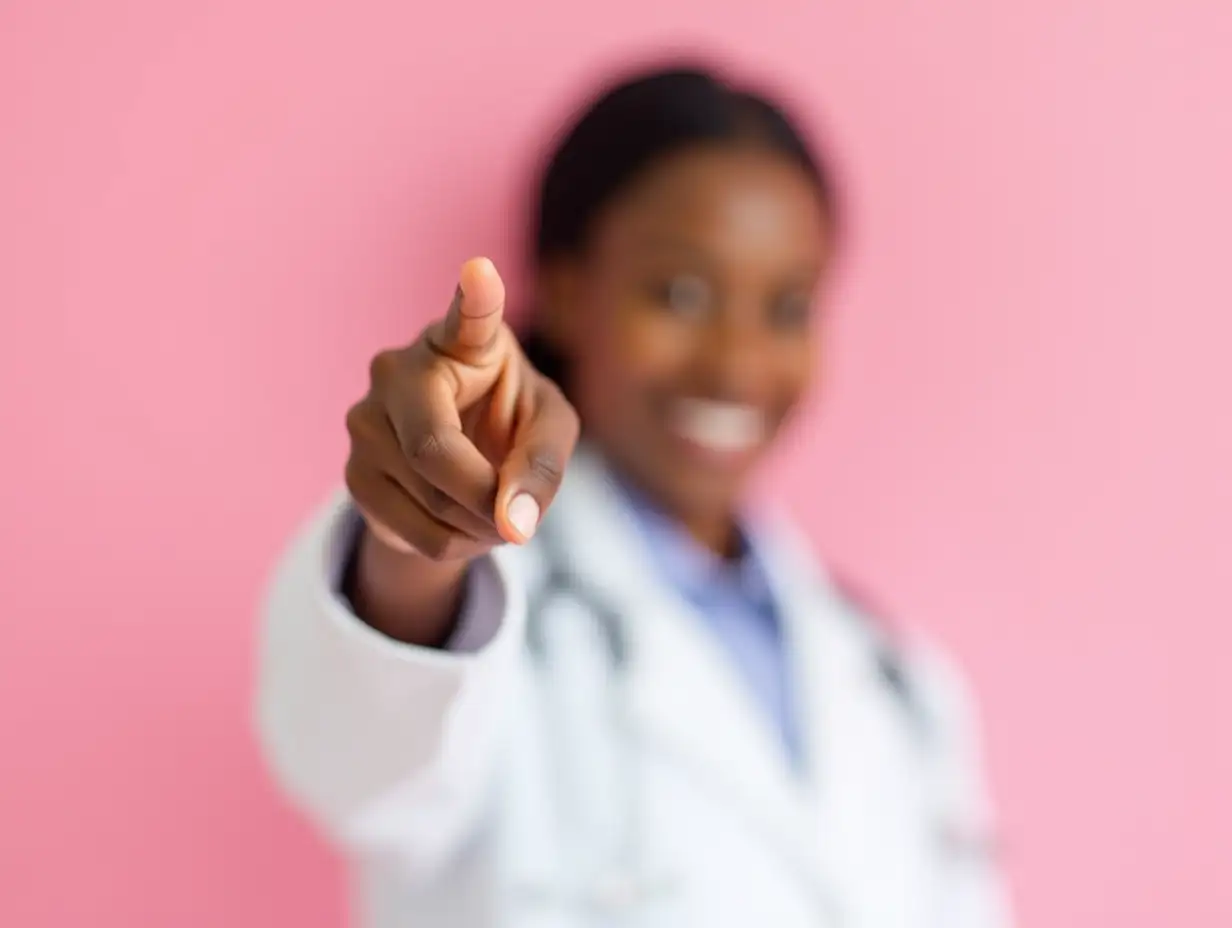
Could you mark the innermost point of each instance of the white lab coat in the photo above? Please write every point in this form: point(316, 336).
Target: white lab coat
point(494, 789)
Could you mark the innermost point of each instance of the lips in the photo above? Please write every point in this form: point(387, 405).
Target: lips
point(718, 427)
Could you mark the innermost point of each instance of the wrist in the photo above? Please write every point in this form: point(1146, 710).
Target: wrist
point(403, 594)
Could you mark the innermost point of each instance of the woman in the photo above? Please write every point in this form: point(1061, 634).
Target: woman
point(523, 683)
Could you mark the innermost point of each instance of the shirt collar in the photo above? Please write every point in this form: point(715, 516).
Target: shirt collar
point(688, 565)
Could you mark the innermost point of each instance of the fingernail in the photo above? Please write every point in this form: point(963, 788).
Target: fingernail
point(524, 514)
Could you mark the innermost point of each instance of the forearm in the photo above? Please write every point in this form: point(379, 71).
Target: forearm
point(353, 723)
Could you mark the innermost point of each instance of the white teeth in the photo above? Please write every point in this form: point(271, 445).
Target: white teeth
point(723, 427)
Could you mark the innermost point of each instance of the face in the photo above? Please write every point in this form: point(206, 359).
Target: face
point(689, 321)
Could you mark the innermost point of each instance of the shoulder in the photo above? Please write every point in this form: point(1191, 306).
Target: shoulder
point(930, 675)
point(943, 687)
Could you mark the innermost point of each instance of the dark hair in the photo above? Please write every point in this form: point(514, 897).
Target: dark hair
point(630, 126)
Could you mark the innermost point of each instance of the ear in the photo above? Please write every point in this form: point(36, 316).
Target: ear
point(558, 285)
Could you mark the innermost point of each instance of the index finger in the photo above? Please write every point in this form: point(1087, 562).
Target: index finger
point(473, 322)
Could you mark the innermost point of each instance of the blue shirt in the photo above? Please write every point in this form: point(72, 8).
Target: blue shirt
point(736, 602)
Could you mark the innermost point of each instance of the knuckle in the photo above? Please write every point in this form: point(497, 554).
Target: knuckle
point(439, 369)
point(438, 502)
point(382, 367)
point(372, 440)
point(360, 483)
point(357, 424)
point(378, 367)
point(544, 465)
point(425, 447)
point(553, 398)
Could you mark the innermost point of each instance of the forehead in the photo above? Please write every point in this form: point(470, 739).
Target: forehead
point(735, 203)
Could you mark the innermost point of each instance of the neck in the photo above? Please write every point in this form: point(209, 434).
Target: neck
point(718, 533)
point(714, 528)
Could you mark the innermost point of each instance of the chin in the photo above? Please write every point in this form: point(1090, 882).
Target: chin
point(707, 491)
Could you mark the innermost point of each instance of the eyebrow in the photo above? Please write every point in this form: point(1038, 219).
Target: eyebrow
point(660, 244)
point(656, 245)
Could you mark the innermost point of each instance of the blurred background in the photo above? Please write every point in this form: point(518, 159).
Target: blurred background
point(212, 214)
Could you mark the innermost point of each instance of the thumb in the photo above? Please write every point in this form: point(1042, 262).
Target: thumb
point(535, 467)
point(474, 319)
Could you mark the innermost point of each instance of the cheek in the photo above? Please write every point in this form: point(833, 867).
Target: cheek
point(629, 352)
point(795, 369)
point(654, 348)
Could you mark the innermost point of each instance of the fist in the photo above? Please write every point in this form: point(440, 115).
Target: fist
point(460, 444)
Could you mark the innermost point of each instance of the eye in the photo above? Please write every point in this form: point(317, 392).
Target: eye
point(685, 295)
point(791, 311)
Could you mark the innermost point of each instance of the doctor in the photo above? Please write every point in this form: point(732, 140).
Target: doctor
point(523, 679)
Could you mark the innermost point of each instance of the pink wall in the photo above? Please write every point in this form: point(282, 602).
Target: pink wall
point(212, 213)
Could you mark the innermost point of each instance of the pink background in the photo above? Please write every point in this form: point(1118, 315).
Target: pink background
point(212, 213)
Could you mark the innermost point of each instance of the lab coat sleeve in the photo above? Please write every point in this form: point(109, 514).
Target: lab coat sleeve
point(388, 747)
point(973, 889)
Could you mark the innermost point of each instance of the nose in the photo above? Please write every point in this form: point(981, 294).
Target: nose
point(735, 361)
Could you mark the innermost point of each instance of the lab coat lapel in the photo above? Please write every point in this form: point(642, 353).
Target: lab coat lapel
point(686, 698)
point(854, 736)
point(830, 659)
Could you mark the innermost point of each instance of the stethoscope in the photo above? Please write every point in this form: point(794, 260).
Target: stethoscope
point(625, 883)
point(622, 883)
